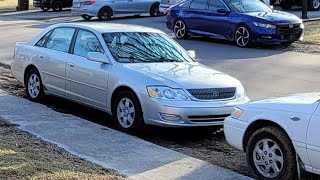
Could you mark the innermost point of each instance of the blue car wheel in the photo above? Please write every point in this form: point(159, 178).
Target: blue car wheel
point(242, 36)
point(180, 29)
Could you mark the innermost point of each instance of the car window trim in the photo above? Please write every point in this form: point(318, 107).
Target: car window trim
point(75, 39)
point(45, 43)
point(226, 6)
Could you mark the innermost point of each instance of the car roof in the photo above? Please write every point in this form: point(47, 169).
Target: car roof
point(109, 27)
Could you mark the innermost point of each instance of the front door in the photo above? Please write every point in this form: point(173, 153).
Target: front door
point(138, 6)
point(119, 6)
point(86, 81)
point(313, 141)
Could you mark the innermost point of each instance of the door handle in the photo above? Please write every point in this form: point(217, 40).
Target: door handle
point(294, 118)
point(41, 57)
point(70, 64)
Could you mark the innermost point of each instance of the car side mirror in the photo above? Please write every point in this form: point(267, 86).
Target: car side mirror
point(98, 57)
point(192, 53)
point(223, 11)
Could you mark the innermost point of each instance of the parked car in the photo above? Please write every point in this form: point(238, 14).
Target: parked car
point(279, 135)
point(138, 74)
point(166, 4)
point(313, 5)
point(105, 9)
point(243, 21)
point(56, 5)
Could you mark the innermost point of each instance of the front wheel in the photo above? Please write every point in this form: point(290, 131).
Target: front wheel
point(242, 36)
point(86, 17)
point(127, 111)
point(45, 9)
point(286, 5)
point(57, 6)
point(154, 10)
point(270, 154)
point(34, 87)
point(314, 5)
point(180, 30)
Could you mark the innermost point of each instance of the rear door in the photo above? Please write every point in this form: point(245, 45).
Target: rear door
point(313, 141)
point(195, 16)
point(118, 6)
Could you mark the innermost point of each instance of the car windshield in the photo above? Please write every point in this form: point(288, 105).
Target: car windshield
point(246, 6)
point(137, 47)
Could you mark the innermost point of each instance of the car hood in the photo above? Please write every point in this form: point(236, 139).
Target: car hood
point(303, 103)
point(184, 75)
point(276, 17)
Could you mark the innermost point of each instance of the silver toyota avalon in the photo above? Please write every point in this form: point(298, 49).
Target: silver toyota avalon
point(139, 75)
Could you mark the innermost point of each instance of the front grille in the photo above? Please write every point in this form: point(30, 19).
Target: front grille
point(211, 118)
point(213, 93)
point(289, 31)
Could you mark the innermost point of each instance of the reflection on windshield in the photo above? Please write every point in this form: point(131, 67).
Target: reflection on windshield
point(245, 6)
point(135, 47)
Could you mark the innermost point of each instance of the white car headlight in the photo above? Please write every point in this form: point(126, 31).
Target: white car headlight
point(302, 26)
point(268, 26)
point(240, 91)
point(236, 113)
point(163, 92)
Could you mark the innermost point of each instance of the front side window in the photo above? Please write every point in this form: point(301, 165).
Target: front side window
point(216, 4)
point(86, 42)
point(60, 39)
point(199, 4)
point(246, 6)
point(137, 47)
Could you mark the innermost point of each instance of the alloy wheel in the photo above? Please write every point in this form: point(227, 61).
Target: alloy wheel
point(126, 112)
point(242, 36)
point(268, 158)
point(105, 14)
point(316, 4)
point(34, 86)
point(180, 29)
point(154, 10)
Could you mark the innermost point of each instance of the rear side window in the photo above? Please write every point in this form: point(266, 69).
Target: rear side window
point(60, 39)
point(216, 4)
point(199, 4)
point(43, 40)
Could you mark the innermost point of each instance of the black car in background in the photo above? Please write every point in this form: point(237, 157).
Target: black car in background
point(56, 5)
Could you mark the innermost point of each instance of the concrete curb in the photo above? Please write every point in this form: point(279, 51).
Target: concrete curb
point(311, 19)
point(130, 156)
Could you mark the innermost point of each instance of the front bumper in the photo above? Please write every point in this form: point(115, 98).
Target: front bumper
point(234, 130)
point(264, 35)
point(187, 113)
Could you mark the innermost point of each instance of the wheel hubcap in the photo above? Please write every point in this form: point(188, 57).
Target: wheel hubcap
point(106, 14)
point(125, 112)
point(242, 36)
point(316, 4)
point(179, 29)
point(34, 86)
point(268, 158)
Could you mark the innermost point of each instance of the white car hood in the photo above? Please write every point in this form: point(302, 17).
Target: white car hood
point(302, 103)
point(184, 75)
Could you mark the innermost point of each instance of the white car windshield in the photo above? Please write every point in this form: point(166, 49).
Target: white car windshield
point(137, 47)
point(246, 6)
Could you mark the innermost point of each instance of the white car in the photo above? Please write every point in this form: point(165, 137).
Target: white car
point(279, 135)
point(166, 4)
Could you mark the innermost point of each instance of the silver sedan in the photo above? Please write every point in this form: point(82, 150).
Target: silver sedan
point(105, 9)
point(139, 75)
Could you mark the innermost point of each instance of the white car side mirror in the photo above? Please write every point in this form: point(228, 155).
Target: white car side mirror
point(98, 57)
point(192, 53)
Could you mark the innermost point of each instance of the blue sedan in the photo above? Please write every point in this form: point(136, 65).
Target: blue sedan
point(243, 21)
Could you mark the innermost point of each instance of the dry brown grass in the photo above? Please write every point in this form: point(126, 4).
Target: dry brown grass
point(312, 33)
point(23, 156)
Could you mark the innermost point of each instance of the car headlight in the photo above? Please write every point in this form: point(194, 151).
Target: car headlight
point(240, 91)
point(302, 26)
point(237, 112)
point(268, 26)
point(163, 92)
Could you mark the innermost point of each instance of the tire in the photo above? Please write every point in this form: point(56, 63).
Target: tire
point(154, 10)
point(180, 29)
point(45, 9)
point(274, 138)
point(105, 14)
point(313, 5)
point(286, 5)
point(127, 106)
point(56, 6)
point(34, 87)
point(286, 44)
point(272, 2)
point(243, 36)
point(86, 17)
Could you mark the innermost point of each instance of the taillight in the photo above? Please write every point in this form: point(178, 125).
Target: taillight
point(90, 2)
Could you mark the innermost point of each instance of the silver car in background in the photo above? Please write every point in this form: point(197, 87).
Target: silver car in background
point(105, 9)
point(166, 4)
point(139, 75)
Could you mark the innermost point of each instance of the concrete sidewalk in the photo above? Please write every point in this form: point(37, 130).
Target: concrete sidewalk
point(130, 156)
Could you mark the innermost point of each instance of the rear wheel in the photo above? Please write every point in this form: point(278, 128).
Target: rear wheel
point(34, 87)
point(313, 5)
point(154, 10)
point(242, 36)
point(180, 30)
point(45, 9)
point(105, 14)
point(86, 17)
point(57, 6)
point(270, 154)
point(272, 2)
